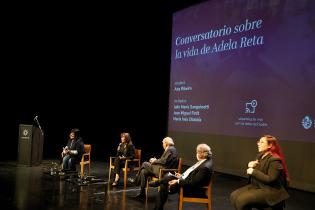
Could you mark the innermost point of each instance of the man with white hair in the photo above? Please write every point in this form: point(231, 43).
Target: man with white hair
point(169, 159)
point(195, 177)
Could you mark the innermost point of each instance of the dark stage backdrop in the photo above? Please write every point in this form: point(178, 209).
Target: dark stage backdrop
point(99, 109)
point(83, 67)
point(242, 69)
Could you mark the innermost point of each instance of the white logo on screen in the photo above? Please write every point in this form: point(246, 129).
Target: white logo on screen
point(307, 122)
point(250, 107)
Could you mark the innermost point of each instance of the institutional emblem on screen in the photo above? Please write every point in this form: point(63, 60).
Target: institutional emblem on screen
point(250, 106)
point(307, 122)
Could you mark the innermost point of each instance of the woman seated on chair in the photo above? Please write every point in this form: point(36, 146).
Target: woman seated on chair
point(268, 177)
point(125, 150)
point(72, 153)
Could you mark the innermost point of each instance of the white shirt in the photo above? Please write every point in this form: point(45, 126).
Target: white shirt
point(190, 169)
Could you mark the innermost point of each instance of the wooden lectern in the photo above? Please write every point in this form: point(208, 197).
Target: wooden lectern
point(31, 142)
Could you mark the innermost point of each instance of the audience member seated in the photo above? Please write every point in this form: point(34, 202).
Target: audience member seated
point(268, 179)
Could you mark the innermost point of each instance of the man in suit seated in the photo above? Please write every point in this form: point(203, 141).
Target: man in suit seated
point(192, 179)
point(169, 159)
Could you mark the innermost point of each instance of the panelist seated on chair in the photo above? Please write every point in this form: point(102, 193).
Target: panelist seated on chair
point(192, 180)
point(169, 159)
point(268, 179)
point(125, 150)
point(72, 153)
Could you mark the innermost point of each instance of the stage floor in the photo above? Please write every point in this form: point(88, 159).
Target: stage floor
point(34, 188)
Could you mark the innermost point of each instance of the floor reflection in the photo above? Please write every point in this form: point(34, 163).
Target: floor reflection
point(33, 188)
point(28, 184)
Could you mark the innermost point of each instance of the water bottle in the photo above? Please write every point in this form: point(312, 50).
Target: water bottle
point(53, 169)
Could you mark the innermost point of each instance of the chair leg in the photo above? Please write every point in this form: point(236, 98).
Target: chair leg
point(89, 168)
point(147, 186)
point(109, 173)
point(180, 204)
point(82, 170)
point(125, 179)
point(209, 205)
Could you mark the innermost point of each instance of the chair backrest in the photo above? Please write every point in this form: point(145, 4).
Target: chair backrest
point(138, 154)
point(87, 148)
point(87, 152)
point(179, 165)
point(163, 171)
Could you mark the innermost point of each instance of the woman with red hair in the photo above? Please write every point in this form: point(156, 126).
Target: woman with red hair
point(268, 177)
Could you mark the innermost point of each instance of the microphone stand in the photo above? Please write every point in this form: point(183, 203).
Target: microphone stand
point(40, 128)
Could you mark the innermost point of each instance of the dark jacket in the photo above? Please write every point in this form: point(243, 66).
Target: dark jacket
point(76, 145)
point(127, 152)
point(199, 177)
point(268, 175)
point(169, 159)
